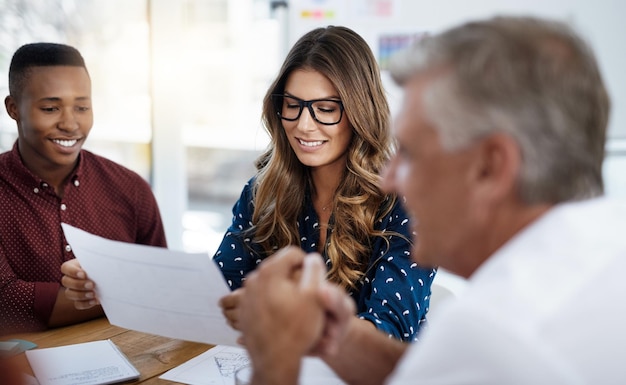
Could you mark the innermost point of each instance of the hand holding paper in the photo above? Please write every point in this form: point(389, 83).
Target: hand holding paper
point(155, 290)
point(78, 287)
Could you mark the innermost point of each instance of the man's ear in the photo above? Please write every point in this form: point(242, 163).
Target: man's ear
point(11, 107)
point(498, 166)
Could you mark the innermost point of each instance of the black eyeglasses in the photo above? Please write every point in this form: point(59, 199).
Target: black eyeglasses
point(324, 111)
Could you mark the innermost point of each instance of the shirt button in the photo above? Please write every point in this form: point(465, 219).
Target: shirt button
point(44, 184)
point(63, 206)
point(68, 248)
point(36, 190)
point(76, 183)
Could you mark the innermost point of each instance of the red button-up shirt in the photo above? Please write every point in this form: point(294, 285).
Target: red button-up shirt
point(100, 197)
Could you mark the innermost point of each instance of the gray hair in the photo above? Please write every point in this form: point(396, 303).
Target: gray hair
point(532, 79)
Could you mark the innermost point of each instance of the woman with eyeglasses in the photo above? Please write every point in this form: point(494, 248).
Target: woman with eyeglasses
point(317, 186)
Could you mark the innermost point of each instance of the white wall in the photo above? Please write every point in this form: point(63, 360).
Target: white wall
point(601, 22)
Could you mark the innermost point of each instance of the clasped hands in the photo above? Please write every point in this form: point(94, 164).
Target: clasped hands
point(286, 303)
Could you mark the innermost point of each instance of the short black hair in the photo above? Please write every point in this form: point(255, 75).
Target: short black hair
point(40, 55)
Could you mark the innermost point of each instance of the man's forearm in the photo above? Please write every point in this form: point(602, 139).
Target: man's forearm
point(366, 355)
point(277, 372)
point(64, 312)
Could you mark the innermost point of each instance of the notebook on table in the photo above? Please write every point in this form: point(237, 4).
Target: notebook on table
point(89, 363)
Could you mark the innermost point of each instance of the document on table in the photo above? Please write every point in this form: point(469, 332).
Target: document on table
point(217, 366)
point(155, 290)
point(89, 363)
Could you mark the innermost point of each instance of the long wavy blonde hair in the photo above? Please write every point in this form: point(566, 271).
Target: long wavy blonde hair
point(282, 181)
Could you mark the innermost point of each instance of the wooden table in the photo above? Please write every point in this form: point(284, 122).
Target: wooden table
point(152, 355)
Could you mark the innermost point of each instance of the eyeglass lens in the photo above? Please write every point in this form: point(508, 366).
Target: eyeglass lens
point(324, 111)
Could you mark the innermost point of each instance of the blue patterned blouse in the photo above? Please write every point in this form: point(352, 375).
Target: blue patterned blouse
point(394, 293)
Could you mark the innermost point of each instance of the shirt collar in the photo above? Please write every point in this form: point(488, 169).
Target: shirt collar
point(23, 173)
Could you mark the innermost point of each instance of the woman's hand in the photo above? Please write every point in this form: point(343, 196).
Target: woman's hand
point(230, 307)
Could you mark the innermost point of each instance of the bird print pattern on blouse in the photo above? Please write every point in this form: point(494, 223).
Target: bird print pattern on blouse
point(394, 293)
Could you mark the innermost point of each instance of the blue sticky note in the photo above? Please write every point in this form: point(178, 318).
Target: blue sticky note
point(15, 346)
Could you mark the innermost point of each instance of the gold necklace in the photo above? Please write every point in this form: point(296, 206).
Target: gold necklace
point(328, 205)
point(325, 207)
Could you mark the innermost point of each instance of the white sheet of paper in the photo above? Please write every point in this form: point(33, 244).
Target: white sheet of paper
point(217, 366)
point(89, 363)
point(155, 290)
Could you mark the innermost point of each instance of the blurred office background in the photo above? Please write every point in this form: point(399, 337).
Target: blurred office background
point(178, 84)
